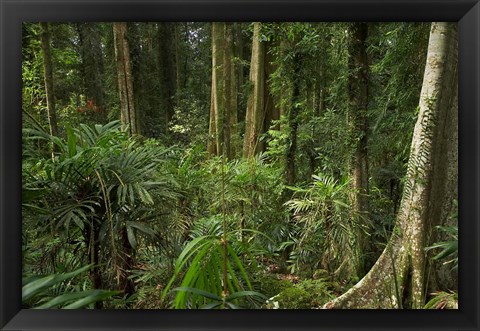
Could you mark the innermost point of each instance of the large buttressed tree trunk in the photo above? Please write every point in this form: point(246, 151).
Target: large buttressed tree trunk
point(398, 278)
point(48, 70)
point(358, 104)
point(124, 76)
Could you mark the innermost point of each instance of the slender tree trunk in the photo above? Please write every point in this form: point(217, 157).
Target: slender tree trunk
point(212, 132)
point(167, 70)
point(217, 105)
point(124, 75)
point(47, 67)
point(239, 54)
point(228, 94)
point(398, 277)
point(125, 283)
point(358, 99)
point(92, 241)
point(178, 58)
point(234, 132)
point(212, 129)
point(293, 123)
point(92, 67)
point(272, 112)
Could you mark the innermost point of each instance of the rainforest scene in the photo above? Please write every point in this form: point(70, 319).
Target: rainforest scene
point(239, 165)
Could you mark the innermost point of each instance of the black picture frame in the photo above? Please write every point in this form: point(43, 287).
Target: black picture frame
point(14, 12)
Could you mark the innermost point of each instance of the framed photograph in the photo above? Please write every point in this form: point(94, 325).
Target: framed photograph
point(240, 165)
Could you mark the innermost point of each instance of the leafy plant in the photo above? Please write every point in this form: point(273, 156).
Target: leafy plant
point(201, 265)
point(443, 300)
point(98, 184)
point(326, 227)
point(449, 249)
point(39, 292)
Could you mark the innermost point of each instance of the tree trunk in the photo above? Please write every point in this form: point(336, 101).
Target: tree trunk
point(292, 116)
point(256, 100)
point(47, 67)
point(397, 280)
point(167, 70)
point(272, 112)
point(234, 132)
point(92, 67)
point(229, 94)
point(125, 283)
point(212, 129)
point(217, 103)
point(92, 241)
point(124, 76)
point(358, 101)
point(178, 59)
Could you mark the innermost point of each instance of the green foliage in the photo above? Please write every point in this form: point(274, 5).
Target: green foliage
point(98, 183)
point(304, 295)
point(443, 300)
point(193, 224)
point(448, 249)
point(201, 264)
point(42, 292)
point(271, 286)
point(326, 227)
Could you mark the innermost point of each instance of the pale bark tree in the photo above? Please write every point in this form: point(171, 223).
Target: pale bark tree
point(217, 103)
point(48, 72)
point(397, 280)
point(261, 107)
point(229, 94)
point(256, 99)
point(124, 77)
point(223, 106)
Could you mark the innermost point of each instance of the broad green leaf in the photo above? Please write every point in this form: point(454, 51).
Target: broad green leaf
point(142, 227)
point(38, 285)
point(131, 237)
point(199, 292)
point(91, 299)
point(68, 297)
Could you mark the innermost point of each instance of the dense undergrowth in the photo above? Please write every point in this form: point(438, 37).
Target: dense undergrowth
point(163, 224)
point(168, 227)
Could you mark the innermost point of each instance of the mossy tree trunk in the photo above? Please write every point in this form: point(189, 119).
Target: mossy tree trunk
point(124, 77)
point(398, 278)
